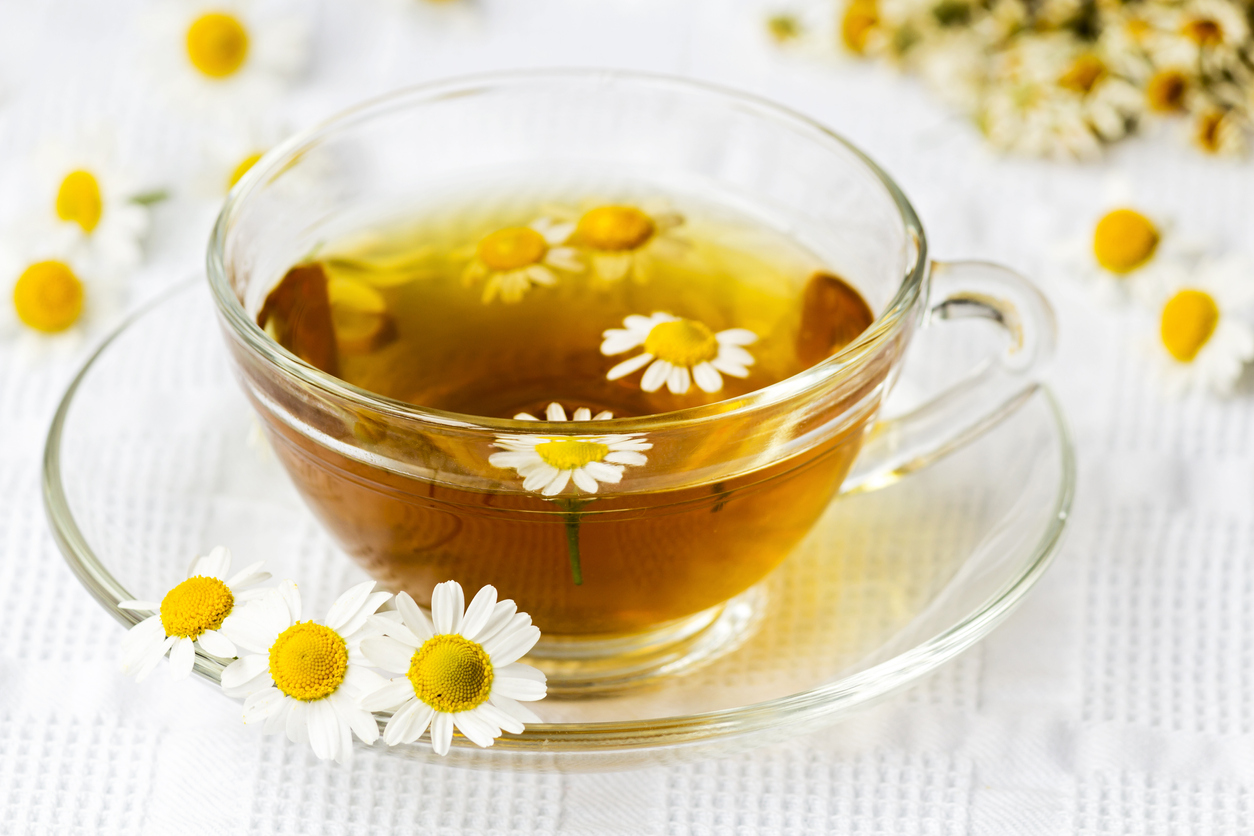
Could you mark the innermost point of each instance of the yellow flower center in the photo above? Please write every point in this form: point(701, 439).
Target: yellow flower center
point(48, 296)
point(1203, 31)
point(512, 248)
point(1165, 91)
point(683, 342)
point(198, 604)
point(1189, 320)
point(615, 228)
point(308, 661)
point(1208, 134)
point(240, 170)
point(217, 44)
point(1124, 240)
point(568, 454)
point(1083, 74)
point(451, 673)
point(78, 200)
point(861, 16)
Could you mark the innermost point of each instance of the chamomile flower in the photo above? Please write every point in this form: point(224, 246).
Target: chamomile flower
point(1218, 131)
point(1202, 341)
point(462, 671)
point(306, 677)
point(199, 612)
point(626, 241)
point(231, 154)
point(513, 259)
point(1208, 34)
point(225, 57)
point(548, 464)
point(677, 352)
point(49, 303)
point(87, 205)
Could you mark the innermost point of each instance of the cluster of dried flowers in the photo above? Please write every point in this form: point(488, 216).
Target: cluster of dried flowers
point(1062, 78)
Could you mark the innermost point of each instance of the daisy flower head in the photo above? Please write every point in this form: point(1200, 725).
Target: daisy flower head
point(1203, 338)
point(677, 352)
point(201, 611)
point(232, 154)
point(1208, 34)
point(49, 300)
point(1220, 132)
point(87, 205)
point(515, 258)
point(458, 669)
point(306, 677)
point(623, 241)
point(225, 57)
point(551, 464)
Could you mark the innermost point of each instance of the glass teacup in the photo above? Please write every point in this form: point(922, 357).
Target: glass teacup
point(628, 580)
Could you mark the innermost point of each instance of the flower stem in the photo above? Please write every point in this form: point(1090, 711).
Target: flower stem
point(571, 517)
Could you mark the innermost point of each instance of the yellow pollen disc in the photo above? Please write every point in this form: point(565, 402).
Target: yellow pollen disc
point(48, 296)
point(512, 248)
point(1189, 320)
point(615, 228)
point(78, 200)
point(1165, 91)
point(198, 604)
point(1083, 74)
point(240, 170)
point(217, 44)
point(1203, 31)
point(451, 673)
point(1124, 240)
point(861, 16)
point(684, 342)
point(568, 454)
point(308, 661)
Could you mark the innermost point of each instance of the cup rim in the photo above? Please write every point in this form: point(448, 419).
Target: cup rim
point(274, 161)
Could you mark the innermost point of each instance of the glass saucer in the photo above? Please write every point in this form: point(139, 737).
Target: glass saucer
point(153, 457)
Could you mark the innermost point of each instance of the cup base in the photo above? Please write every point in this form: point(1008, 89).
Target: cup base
point(578, 667)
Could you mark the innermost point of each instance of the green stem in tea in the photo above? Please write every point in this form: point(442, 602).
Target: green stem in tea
point(572, 518)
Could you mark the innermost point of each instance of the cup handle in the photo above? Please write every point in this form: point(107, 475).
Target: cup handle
point(992, 391)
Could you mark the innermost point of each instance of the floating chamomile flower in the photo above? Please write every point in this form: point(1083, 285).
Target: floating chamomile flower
point(517, 257)
point(200, 611)
point(622, 241)
point(548, 464)
point(1201, 341)
point(306, 677)
point(87, 206)
point(677, 352)
point(462, 671)
point(227, 57)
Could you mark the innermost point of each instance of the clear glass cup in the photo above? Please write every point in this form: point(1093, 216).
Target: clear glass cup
point(635, 580)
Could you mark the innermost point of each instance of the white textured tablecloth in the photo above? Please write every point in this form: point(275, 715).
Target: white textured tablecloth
point(1118, 700)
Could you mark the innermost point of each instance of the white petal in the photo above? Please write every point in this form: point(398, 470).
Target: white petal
point(501, 615)
point(348, 605)
point(736, 336)
point(475, 729)
point(554, 412)
point(297, 726)
point(734, 354)
point(182, 657)
point(515, 709)
point(503, 720)
point(214, 565)
point(541, 275)
point(248, 576)
point(244, 669)
point(290, 596)
point(146, 666)
point(441, 732)
point(415, 619)
point(602, 472)
point(558, 484)
point(626, 457)
point(679, 380)
point(353, 626)
point(379, 625)
point(729, 368)
point(393, 694)
point(263, 704)
point(511, 647)
point(707, 377)
point(616, 341)
point(388, 654)
point(356, 718)
point(655, 376)
point(324, 729)
point(584, 481)
point(518, 689)
point(628, 366)
point(447, 606)
point(408, 724)
point(525, 416)
point(216, 644)
point(603, 415)
point(479, 612)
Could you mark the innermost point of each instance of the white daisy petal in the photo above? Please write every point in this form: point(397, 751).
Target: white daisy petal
point(736, 336)
point(324, 733)
point(558, 484)
point(515, 709)
point(356, 718)
point(393, 694)
point(735, 354)
point(297, 726)
point(540, 478)
point(408, 724)
point(554, 412)
point(707, 377)
point(617, 341)
point(583, 414)
point(382, 625)
point(475, 729)
point(373, 602)
point(502, 613)
point(501, 719)
point(628, 366)
point(263, 704)
point(729, 368)
point(216, 564)
point(679, 380)
point(248, 576)
point(441, 733)
point(479, 612)
point(388, 654)
point(626, 457)
point(602, 472)
point(512, 647)
point(518, 689)
point(148, 665)
point(447, 607)
point(583, 480)
point(244, 670)
point(348, 605)
point(414, 617)
point(216, 644)
point(655, 376)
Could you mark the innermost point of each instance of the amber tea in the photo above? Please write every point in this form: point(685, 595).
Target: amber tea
point(584, 311)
